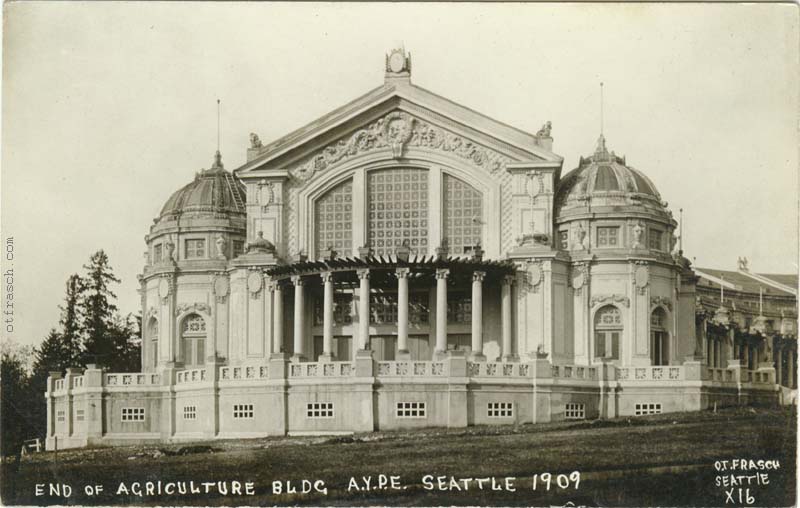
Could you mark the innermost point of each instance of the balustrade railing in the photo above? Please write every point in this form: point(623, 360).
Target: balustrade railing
point(720, 374)
point(321, 369)
point(410, 368)
point(59, 385)
point(245, 372)
point(131, 379)
point(495, 369)
point(651, 373)
point(574, 372)
point(191, 376)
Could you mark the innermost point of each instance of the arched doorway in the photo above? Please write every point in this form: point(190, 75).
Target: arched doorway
point(607, 333)
point(193, 340)
point(659, 338)
point(152, 334)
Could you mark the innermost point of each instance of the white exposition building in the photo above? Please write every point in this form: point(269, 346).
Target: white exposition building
point(405, 261)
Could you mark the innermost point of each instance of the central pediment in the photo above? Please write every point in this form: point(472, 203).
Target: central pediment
point(397, 118)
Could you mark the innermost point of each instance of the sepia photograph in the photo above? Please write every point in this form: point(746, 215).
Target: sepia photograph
point(399, 254)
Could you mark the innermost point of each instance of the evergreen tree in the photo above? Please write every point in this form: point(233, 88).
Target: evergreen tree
point(101, 339)
point(71, 322)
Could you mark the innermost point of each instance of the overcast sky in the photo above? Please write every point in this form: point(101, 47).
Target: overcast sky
point(109, 107)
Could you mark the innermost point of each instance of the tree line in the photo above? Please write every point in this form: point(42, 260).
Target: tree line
point(90, 331)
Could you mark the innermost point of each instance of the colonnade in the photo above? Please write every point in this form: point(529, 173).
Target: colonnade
point(362, 330)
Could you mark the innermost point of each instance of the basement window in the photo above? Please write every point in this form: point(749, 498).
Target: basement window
point(647, 409)
point(411, 410)
point(315, 410)
point(132, 414)
point(242, 411)
point(575, 411)
point(500, 409)
point(190, 412)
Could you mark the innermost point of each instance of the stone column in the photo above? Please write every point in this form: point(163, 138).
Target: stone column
point(327, 318)
point(778, 364)
point(790, 367)
point(477, 317)
point(363, 309)
point(277, 318)
point(505, 302)
point(402, 314)
point(299, 319)
point(441, 313)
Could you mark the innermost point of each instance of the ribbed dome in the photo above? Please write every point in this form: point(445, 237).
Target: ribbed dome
point(605, 179)
point(212, 191)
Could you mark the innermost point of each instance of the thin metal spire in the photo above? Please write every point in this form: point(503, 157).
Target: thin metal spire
point(218, 125)
point(601, 108)
point(680, 237)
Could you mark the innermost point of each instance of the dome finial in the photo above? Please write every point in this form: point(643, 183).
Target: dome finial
point(217, 161)
point(601, 149)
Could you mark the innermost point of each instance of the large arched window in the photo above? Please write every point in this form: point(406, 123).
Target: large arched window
point(607, 333)
point(193, 337)
point(397, 207)
point(152, 334)
point(659, 339)
point(333, 216)
point(463, 214)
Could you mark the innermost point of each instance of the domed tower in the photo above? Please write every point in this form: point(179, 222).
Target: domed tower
point(628, 281)
point(201, 227)
point(604, 205)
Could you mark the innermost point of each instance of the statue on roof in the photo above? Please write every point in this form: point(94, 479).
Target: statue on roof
point(743, 262)
point(255, 142)
point(544, 132)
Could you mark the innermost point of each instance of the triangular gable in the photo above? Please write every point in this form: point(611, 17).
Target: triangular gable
point(424, 107)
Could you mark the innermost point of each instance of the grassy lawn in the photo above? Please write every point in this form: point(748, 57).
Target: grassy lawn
point(660, 460)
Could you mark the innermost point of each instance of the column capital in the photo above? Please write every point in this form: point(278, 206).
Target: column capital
point(442, 273)
point(363, 273)
point(402, 273)
point(274, 286)
point(326, 277)
point(297, 280)
point(478, 276)
point(508, 280)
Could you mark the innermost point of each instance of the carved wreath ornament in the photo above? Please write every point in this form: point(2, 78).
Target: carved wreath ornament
point(396, 131)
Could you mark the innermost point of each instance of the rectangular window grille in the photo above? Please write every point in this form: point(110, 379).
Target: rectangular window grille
point(195, 249)
point(132, 414)
point(157, 253)
point(563, 240)
point(342, 309)
point(463, 215)
point(647, 409)
point(61, 415)
point(654, 239)
point(190, 412)
point(418, 308)
point(459, 308)
point(575, 411)
point(319, 410)
point(411, 410)
point(397, 210)
point(383, 309)
point(607, 236)
point(500, 409)
point(79, 415)
point(242, 411)
point(334, 221)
